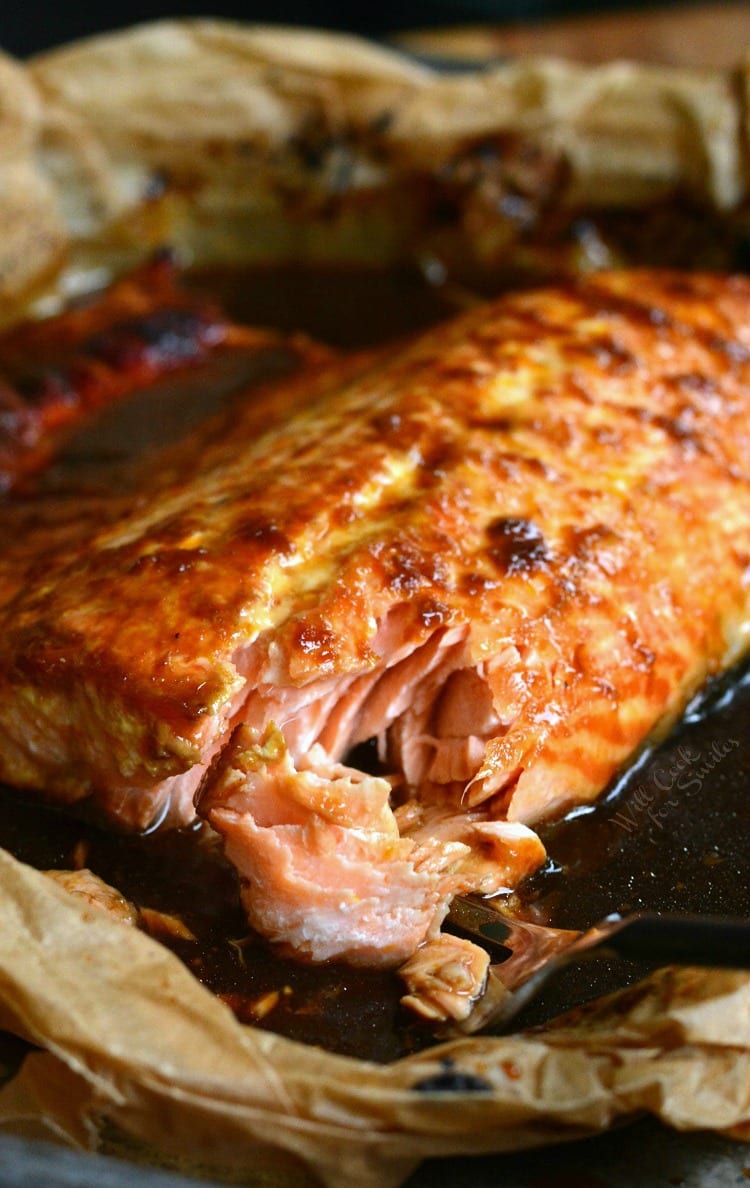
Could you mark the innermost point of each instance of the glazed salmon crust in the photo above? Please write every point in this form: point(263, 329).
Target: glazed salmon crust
point(506, 552)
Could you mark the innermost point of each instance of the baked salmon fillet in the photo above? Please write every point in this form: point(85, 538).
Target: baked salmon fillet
point(506, 552)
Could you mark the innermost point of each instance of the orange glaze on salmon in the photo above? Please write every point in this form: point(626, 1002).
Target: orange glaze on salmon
point(507, 552)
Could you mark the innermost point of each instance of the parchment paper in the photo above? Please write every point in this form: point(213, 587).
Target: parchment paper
point(133, 1045)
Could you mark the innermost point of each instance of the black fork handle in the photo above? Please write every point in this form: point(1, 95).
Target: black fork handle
point(716, 941)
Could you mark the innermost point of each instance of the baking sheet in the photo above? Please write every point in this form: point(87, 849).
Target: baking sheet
point(76, 1072)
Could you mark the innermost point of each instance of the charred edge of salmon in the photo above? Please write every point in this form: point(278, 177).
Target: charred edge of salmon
point(55, 373)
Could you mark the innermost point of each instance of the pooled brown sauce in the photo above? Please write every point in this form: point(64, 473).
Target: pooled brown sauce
point(672, 835)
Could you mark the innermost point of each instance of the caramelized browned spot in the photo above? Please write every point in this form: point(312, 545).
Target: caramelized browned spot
point(517, 546)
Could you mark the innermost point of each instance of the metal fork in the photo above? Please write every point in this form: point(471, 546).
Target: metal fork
point(529, 956)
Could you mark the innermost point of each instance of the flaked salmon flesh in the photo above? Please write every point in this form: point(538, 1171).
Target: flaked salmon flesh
point(506, 552)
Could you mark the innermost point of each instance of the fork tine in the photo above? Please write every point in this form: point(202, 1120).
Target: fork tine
point(503, 936)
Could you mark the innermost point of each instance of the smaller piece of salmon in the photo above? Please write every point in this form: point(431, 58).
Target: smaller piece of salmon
point(56, 372)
